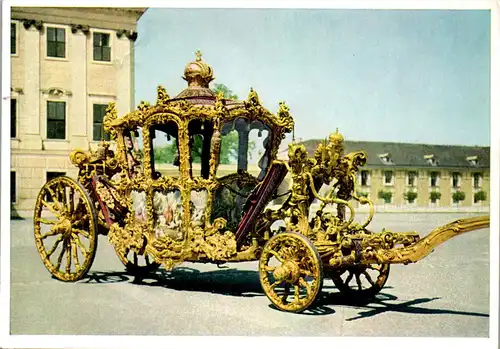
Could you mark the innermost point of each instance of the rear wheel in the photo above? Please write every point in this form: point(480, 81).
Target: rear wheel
point(138, 264)
point(360, 281)
point(65, 228)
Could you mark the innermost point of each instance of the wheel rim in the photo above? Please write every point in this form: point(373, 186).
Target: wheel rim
point(291, 272)
point(65, 223)
point(361, 281)
point(138, 264)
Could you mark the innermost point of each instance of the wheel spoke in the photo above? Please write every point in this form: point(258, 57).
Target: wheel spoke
point(269, 268)
point(52, 194)
point(296, 294)
point(285, 293)
point(81, 232)
point(59, 259)
point(79, 243)
point(276, 283)
point(46, 221)
point(276, 254)
point(306, 272)
point(358, 281)
point(68, 257)
point(368, 277)
point(374, 267)
point(80, 220)
point(62, 190)
point(71, 203)
point(305, 284)
point(50, 207)
point(349, 278)
point(58, 241)
point(74, 253)
point(50, 233)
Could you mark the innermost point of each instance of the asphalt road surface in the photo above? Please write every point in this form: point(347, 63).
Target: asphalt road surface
point(446, 294)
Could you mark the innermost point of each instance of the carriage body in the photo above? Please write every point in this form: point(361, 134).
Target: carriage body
point(161, 198)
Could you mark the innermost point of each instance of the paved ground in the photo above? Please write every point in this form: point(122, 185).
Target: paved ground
point(446, 294)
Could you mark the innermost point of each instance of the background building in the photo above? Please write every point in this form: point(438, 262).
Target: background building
point(67, 64)
point(422, 175)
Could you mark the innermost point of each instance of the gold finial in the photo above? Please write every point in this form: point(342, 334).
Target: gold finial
point(198, 55)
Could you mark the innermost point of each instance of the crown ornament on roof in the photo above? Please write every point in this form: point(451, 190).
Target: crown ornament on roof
point(198, 73)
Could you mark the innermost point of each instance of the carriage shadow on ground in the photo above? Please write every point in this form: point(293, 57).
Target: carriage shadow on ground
point(245, 283)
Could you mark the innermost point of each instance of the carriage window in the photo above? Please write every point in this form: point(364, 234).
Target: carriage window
point(259, 149)
point(200, 136)
point(135, 151)
point(246, 144)
point(165, 150)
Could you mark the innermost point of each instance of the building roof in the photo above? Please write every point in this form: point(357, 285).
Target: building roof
point(391, 154)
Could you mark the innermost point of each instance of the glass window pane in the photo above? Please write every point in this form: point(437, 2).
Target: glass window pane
point(51, 34)
point(13, 118)
point(61, 129)
point(106, 54)
point(61, 46)
point(50, 110)
point(104, 39)
point(13, 187)
point(61, 110)
point(97, 40)
point(51, 49)
point(97, 54)
point(13, 38)
point(97, 132)
point(60, 35)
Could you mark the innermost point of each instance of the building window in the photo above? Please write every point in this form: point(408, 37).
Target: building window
point(412, 175)
point(102, 51)
point(13, 43)
point(13, 187)
point(477, 180)
point(56, 42)
point(50, 176)
point(455, 177)
point(388, 177)
point(365, 178)
point(434, 177)
point(99, 112)
point(56, 120)
point(13, 118)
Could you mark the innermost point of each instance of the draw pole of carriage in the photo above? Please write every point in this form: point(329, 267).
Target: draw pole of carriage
point(153, 217)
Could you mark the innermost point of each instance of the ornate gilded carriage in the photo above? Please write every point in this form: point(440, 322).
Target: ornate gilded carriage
point(161, 198)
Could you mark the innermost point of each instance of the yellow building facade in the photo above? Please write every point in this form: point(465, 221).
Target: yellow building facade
point(67, 64)
point(406, 175)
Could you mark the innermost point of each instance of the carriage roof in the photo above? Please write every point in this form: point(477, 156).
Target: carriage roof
point(197, 101)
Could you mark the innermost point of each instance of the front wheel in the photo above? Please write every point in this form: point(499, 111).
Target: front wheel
point(291, 271)
point(65, 228)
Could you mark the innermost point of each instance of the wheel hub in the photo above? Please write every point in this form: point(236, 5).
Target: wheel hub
point(63, 227)
point(288, 271)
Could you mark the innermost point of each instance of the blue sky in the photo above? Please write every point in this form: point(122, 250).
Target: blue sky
point(378, 75)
